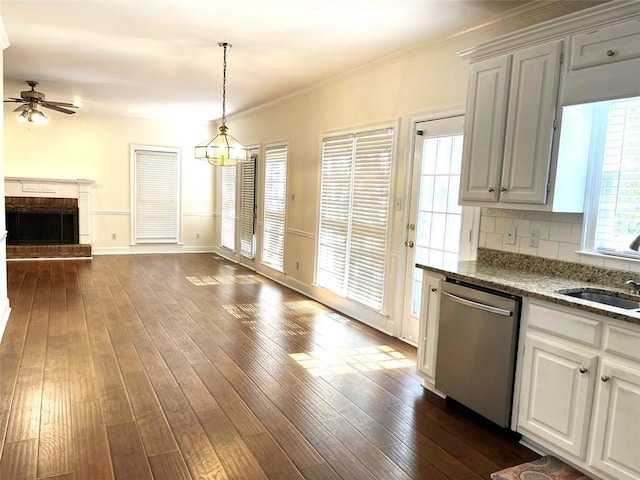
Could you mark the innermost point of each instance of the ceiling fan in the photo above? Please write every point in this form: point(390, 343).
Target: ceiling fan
point(31, 101)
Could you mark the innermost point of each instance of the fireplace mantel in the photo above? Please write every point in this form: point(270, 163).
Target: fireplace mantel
point(79, 188)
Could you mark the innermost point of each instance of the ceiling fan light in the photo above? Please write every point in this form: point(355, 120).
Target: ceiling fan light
point(38, 117)
point(24, 116)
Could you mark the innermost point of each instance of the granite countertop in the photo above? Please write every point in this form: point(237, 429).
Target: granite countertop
point(529, 279)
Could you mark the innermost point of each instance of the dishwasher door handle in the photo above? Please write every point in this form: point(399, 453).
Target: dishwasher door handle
point(480, 306)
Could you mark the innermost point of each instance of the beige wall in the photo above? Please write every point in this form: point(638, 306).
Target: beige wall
point(423, 82)
point(96, 147)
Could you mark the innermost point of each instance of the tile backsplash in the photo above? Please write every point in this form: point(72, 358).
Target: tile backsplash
point(559, 236)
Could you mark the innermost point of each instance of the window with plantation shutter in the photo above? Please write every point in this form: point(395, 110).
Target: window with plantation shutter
point(228, 220)
point(248, 208)
point(155, 195)
point(275, 196)
point(615, 220)
point(354, 214)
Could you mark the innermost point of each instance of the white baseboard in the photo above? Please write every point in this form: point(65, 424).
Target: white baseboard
point(429, 385)
point(5, 310)
point(147, 249)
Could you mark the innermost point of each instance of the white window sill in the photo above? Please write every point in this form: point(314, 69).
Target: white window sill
point(608, 257)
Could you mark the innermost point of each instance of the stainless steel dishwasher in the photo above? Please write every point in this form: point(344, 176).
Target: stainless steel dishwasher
point(477, 337)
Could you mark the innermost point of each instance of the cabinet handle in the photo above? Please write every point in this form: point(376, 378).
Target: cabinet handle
point(491, 189)
point(604, 378)
point(610, 53)
point(434, 289)
point(584, 369)
point(503, 189)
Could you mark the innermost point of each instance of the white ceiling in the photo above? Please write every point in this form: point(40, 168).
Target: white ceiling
point(160, 58)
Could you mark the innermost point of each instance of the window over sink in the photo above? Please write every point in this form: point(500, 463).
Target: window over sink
point(612, 207)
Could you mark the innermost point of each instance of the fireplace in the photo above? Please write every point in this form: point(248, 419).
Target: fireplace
point(42, 221)
point(48, 217)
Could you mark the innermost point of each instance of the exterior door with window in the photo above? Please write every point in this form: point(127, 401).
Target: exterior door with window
point(439, 230)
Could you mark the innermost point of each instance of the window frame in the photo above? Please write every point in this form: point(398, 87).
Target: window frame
point(356, 306)
point(280, 267)
point(243, 208)
point(226, 170)
point(133, 161)
point(599, 113)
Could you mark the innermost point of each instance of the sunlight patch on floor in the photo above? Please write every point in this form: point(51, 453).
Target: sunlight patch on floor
point(223, 279)
point(350, 360)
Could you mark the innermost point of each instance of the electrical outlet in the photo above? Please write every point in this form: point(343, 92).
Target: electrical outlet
point(534, 236)
point(297, 265)
point(113, 236)
point(510, 236)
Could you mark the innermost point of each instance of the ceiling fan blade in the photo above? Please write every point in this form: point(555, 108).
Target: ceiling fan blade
point(14, 100)
point(60, 104)
point(22, 108)
point(57, 108)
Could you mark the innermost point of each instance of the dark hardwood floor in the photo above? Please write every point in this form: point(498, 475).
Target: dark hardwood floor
point(190, 367)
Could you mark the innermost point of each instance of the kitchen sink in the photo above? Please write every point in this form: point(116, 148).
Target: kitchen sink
point(613, 299)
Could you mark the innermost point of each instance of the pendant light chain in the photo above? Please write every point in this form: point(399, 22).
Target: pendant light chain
point(224, 83)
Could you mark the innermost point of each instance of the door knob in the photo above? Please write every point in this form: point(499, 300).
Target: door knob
point(408, 243)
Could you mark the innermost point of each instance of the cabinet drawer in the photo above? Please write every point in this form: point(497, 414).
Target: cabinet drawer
point(568, 325)
point(606, 45)
point(623, 341)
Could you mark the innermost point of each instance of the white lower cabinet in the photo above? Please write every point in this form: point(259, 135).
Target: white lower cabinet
point(557, 393)
point(615, 446)
point(581, 402)
point(428, 337)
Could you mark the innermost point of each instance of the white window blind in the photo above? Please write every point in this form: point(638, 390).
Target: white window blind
point(247, 208)
point(228, 221)
point(354, 213)
point(275, 196)
point(618, 213)
point(156, 195)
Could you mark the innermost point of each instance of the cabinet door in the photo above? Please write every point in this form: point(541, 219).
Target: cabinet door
point(429, 326)
point(556, 394)
point(615, 448)
point(484, 130)
point(533, 95)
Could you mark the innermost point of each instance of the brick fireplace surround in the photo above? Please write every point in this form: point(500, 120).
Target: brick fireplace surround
point(53, 192)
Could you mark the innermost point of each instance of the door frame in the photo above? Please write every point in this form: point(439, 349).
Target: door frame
point(414, 119)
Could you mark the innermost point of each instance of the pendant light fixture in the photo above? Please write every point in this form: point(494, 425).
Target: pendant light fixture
point(223, 150)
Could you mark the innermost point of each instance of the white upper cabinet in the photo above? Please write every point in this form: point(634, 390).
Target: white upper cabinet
point(484, 130)
point(604, 63)
point(510, 122)
point(514, 155)
point(529, 132)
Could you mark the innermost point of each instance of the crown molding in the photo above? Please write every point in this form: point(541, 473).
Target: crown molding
point(577, 22)
point(531, 12)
